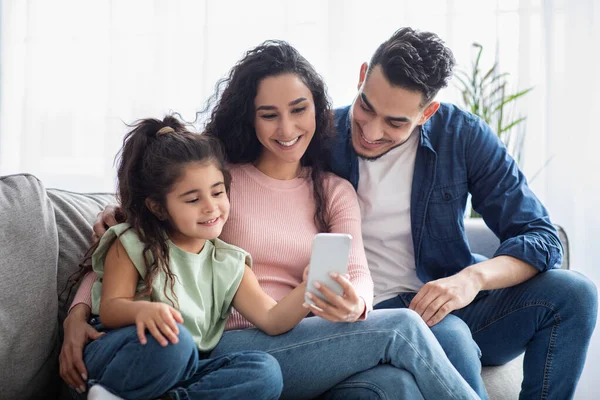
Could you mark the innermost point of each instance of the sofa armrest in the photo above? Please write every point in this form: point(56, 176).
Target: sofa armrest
point(483, 241)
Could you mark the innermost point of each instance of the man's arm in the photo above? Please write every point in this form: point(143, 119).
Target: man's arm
point(501, 195)
point(529, 241)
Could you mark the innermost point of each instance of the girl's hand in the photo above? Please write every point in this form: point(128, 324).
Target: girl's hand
point(305, 274)
point(161, 320)
point(346, 308)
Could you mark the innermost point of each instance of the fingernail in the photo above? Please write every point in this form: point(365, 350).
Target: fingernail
point(81, 389)
point(309, 295)
point(317, 285)
point(84, 376)
point(305, 305)
point(333, 274)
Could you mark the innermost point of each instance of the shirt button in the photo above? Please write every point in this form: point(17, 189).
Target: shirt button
point(447, 196)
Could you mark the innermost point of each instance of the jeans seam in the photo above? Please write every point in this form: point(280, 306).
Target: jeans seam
point(130, 369)
point(551, 345)
point(366, 332)
point(548, 366)
point(364, 385)
point(175, 394)
point(513, 310)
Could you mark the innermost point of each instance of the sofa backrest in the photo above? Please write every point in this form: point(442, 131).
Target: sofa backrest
point(28, 301)
point(43, 236)
point(74, 214)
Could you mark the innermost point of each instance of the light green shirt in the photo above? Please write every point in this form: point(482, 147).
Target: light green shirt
point(205, 286)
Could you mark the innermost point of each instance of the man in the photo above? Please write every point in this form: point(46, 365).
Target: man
point(413, 162)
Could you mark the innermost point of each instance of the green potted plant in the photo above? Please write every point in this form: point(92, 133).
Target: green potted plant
point(486, 94)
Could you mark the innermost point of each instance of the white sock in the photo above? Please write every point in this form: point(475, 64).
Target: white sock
point(98, 392)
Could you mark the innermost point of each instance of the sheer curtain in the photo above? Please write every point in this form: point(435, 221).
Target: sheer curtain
point(73, 72)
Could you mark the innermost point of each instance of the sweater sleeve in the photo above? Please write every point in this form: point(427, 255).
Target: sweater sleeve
point(344, 217)
point(84, 293)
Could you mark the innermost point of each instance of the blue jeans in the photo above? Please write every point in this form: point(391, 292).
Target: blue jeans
point(317, 355)
point(550, 317)
point(120, 363)
point(381, 382)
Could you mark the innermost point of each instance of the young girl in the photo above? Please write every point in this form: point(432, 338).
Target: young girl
point(166, 273)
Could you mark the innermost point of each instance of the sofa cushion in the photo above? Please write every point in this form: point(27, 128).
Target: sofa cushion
point(28, 302)
point(503, 382)
point(75, 214)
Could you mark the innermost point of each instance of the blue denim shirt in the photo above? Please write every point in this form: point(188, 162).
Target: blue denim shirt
point(459, 154)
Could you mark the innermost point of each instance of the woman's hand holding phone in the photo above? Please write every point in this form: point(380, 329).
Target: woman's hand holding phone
point(329, 292)
point(345, 308)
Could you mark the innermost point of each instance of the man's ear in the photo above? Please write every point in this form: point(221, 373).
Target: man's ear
point(363, 74)
point(429, 111)
point(155, 208)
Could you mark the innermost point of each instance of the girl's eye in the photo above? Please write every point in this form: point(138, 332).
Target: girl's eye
point(298, 110)
point(191, 201)
point(365, 109)
point(268, 116)
point(218, 194)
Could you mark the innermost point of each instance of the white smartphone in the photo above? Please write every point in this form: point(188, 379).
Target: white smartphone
point(330, 253)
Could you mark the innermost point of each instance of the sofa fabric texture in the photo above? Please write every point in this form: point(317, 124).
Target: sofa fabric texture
point(43, 234)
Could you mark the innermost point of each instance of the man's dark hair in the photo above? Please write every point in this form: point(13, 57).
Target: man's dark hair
point(414, 60)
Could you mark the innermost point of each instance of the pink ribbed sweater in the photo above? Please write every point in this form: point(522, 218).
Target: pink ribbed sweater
point(274, 221)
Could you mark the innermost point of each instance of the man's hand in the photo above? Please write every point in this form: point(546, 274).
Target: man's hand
point(111, 216)
point(346, 308)
point(77, 333)
point(438, 298)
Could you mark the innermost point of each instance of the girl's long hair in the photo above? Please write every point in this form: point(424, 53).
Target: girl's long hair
point(151, 161)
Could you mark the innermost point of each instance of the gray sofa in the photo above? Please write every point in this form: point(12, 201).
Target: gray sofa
point(43, 234)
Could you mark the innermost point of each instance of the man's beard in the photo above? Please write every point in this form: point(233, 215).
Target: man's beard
point(378, 156)
point(373, 158)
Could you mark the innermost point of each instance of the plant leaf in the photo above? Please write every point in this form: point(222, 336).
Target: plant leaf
point(489, 73)
point(496, 78)
point(512, 124)
point(512, 97)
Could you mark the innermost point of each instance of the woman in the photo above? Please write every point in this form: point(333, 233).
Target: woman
point(273, 118)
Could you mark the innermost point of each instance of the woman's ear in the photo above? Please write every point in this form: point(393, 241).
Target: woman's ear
point(156, 209)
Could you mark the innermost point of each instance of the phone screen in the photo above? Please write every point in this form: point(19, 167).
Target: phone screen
point(330, 253)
